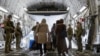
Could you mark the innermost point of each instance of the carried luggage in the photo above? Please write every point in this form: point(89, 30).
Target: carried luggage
point(33, 45)
point(49, 46)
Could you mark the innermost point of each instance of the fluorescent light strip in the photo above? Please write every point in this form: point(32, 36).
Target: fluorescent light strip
point(4, 10)
point(75, 16)
point(67, 8)
point(25, 9)
point(82, 9)
point(15, 16)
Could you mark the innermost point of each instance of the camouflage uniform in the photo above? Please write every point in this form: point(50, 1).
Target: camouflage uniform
point(78, 36)
point(18, 34)
point(9, 29)
point(70, 34)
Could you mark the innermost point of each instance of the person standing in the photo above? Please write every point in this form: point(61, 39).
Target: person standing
point(78, 36)
point(9, 29)
point(34, 29)
point(42, 31)
point(18, 34)
point(61, 42)
point(70, 34)
point(53, 36)
point(35, 44)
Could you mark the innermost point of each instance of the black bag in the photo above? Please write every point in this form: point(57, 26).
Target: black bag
point(48, 46)
point(35, 46)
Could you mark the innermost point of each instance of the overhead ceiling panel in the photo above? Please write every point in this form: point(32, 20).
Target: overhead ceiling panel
point(12, 5)
point(75, 5)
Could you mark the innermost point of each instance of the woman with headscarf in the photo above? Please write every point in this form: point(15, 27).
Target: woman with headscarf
point(42, 32)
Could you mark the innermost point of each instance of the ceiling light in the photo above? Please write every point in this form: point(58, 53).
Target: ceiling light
point(15, 16)
point(4, 10)
point(75, 16)
point(67, 8)
point(25, 9)
point(82, 9)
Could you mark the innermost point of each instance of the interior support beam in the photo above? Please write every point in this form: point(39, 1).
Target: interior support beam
point(47, 12)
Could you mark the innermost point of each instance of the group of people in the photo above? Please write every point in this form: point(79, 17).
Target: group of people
point(11, 32)
point(42, 35)
point(58, 33)
point(59, 38)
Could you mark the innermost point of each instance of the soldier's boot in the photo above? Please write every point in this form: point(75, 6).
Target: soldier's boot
point(10, 48)
point(6, 48)
point(17, 46)
point(7, 45)
point(6, 51)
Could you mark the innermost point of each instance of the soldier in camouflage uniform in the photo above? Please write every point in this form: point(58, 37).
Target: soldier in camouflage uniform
point(78, 36)
point(9, 29)
point(70, 34)
point(18, 34)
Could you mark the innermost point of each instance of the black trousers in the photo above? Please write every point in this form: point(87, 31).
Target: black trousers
point(44, 48)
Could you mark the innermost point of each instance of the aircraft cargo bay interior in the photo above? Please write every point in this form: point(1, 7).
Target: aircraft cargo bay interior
point(49, 28)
